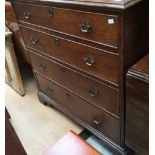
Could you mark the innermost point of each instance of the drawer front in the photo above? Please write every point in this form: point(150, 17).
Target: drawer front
point(100, 28)
point(85, 111)
point(93, 91)
point(91, 60)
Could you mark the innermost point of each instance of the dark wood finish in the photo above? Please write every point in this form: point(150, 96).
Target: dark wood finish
point(67, 37)
point(141, 69)
point(107, 97)
point(68, 21)
point(106, 64)
point(133, 45)
point(137, 116)
point(136, 32)
point(137, 109)
point(13, 145)
point(109, 54)
point(95, 117)
point(106, 4)
point(142, 66)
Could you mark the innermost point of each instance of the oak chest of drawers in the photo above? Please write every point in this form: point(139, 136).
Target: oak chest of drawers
point(80, 52)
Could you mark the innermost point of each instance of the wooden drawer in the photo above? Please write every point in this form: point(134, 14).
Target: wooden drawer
point(95, 92)
point(91, 60)
point(88, 113)
point(100, 28)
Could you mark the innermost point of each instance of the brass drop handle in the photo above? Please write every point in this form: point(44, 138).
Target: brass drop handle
point(42, 67)
point(34, 40)
point(27, 15)
point(93, 92)
point(50, 12)
point(85, 27)
point(97, 121)
point(89, 61)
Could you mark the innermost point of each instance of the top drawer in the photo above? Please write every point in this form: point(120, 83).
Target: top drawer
point(100, 28)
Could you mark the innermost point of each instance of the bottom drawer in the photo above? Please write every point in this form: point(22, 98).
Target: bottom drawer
point(93, 116)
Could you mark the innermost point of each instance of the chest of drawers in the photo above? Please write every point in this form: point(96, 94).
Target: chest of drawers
point(80, 52)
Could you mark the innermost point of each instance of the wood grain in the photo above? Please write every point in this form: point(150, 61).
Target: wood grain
point(107, 99)
point(68, 22)
point(73, 53)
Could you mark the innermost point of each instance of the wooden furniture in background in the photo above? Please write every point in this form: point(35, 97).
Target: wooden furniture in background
point(141, 69)
point(13, 77)
point(80, 52)
point(7, 72)
point(19, 45)
point(137, 107)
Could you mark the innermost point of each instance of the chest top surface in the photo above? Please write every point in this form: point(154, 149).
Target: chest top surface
point(120, 4)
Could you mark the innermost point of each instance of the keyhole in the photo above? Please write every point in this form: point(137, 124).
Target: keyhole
point(68, 95)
